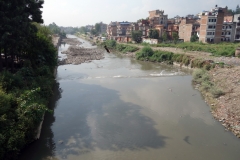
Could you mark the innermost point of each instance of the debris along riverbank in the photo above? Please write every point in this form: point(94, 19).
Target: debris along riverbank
point(77, 55)
point(72, 41)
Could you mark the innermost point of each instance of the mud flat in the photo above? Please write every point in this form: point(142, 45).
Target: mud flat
point(77, 55)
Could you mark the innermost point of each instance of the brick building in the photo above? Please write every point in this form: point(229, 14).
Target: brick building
point(157, 17)
point(122, 28)
point(187, 28)
point(112, 30)
point(143, 26)
point(211, 28)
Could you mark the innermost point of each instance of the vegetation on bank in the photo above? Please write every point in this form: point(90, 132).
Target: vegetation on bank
point(221, 49)
point(203, 82)
point(112, 44)
point(26, 75)
point(148, 54)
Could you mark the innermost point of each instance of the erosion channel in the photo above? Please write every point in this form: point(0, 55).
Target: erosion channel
point(117, 108)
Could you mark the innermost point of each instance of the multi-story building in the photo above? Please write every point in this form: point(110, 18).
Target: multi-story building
point(236, 22)
point(103, 27)
point(143, 26)
point(211, 25)
point(112, 30)
point(171, 28)
point(132, 27)
point(122, 28)
point(89, 27)
point(188, 28)
point(157, 17)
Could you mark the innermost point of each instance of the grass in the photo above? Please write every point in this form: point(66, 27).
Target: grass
point(221, 49)
point(201, 77)
point(124, 48)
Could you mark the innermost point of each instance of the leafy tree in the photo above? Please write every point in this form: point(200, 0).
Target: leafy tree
point(136, 36)
point(175, 37)
point(93, 32)
point(83, 29)
point(153, 33)
point(98, 27)
point(56, 30)
point(164, 36)
point(194, 38)
point(237, 10)
point(16, 28)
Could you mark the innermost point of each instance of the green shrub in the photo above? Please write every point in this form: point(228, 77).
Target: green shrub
point(146, 52)
point(111, 44)
point(197, 75)
point(120, 47)
point(130, 49)
point(216, 92)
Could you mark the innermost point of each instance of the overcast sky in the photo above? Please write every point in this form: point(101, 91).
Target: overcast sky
point(78, 13)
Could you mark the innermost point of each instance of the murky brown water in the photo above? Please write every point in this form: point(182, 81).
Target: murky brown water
point(122, 109)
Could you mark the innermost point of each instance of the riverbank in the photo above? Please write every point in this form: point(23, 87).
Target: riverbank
point(223, 73)
point(77, 54)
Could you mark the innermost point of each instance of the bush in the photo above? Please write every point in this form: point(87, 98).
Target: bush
point(111, 44)
point(146, 52)
point(216, 92)
point(197, 75)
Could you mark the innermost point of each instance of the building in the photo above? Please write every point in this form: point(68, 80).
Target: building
point(143, 26)
point(188, 28)
point(122, 28)
point(171, 28)
point(103, 27)
point(157, 17)
point(89, 27)
point(211, 25)
point(236, 22)
point(112, 30)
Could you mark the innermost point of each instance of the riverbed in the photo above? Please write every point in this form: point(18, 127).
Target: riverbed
point(118, 108)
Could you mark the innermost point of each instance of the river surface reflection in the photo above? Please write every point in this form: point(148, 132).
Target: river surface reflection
point(118, 108)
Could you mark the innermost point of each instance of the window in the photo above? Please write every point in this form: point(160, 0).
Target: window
point(210, 27)
point(213, 33)
point(229, 33)
point(222, 33)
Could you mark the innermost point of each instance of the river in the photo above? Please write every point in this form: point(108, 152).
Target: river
point(118, 108)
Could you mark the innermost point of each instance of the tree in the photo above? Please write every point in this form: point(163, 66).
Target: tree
point(153, 33)
point(164, 36)
point(83, 29)
point(175, 37)
point(98, 27)
point(136, 36)
point(16, 28)
point(93, 32)
point(237, 10)
point(194, 38)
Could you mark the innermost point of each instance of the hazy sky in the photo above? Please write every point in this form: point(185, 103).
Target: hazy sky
point(82, 12)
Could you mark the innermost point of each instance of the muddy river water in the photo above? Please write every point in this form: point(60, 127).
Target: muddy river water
point(118, 108)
